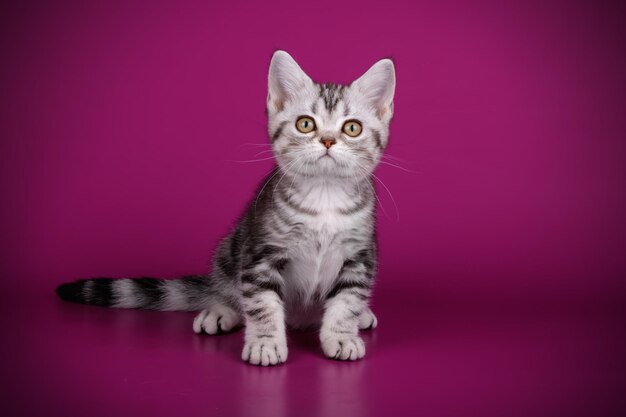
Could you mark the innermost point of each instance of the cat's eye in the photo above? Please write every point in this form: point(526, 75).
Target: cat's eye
point(352, 128)
point(305, 124)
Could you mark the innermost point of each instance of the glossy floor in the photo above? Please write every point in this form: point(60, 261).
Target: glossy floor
point(432, 355)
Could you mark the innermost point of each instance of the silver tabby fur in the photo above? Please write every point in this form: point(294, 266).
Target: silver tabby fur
point(304, 252)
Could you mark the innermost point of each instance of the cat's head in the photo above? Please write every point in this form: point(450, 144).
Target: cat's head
point(328, 130)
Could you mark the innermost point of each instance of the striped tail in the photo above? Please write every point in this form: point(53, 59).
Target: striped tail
point(189, 293)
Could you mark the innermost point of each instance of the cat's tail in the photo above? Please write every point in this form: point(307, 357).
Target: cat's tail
point(189, 293)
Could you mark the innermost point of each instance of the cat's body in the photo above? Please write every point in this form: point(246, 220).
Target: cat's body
point(304, 252)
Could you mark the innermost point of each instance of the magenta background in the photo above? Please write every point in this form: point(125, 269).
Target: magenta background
point(501, 288)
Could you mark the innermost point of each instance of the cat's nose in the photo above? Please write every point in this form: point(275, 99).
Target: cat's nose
point(328, 142)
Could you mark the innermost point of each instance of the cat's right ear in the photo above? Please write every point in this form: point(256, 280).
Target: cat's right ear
point(285, 80)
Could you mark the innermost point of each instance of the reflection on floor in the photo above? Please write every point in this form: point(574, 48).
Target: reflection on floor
point(432, 355)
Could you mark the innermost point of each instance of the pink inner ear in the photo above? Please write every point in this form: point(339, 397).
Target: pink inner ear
point(277, 103)
point(382, 110)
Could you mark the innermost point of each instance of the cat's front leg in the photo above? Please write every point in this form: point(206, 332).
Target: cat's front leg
point(344, 307)
point(367, 320)
point(264, 314)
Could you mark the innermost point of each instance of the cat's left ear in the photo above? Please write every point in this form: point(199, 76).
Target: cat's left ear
point(285, 80)
point(378, 85)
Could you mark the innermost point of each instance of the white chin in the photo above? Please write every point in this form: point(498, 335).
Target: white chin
point(326, 162)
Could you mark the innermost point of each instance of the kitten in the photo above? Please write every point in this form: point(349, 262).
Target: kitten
point(304, 252)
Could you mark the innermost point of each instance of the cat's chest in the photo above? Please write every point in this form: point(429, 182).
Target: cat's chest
point(316, 256)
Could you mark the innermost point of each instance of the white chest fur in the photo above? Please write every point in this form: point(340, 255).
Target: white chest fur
point(317, 256)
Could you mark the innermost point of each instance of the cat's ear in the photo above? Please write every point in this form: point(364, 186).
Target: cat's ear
point(378, 85)
point(285, 80)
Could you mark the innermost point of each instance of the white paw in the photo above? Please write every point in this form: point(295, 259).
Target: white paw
point(219, 319)
point(343, 347)
point(264, 351)
point(367, 320)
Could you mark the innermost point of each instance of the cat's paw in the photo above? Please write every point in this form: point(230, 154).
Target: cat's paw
point(367, 320)
point(265, 351)
point(218, 319)
point(343, 347)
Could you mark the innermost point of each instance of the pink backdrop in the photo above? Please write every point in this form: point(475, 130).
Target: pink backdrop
point(121, 125)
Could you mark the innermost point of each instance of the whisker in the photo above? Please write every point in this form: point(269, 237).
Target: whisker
point(386, 155)
point(252, 160)
point(265, 185)
point(293, 180)
point(262, 152)
point(250, 145)
point(397, 166)
point(287, 170)
point(363, 171)
point(278, 170)
point(262, 159)
point(390, 195)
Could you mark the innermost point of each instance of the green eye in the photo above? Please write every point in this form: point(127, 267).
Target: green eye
point(352, 128)
point(305, 124)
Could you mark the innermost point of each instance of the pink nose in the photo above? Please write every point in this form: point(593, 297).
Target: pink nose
point(328, 142)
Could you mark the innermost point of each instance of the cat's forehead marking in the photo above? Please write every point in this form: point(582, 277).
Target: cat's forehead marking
point(331, 94)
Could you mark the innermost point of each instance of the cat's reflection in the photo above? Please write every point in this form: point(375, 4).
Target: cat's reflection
point(316, 386)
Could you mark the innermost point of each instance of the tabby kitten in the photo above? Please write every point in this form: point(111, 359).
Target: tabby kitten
point(304, 252)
